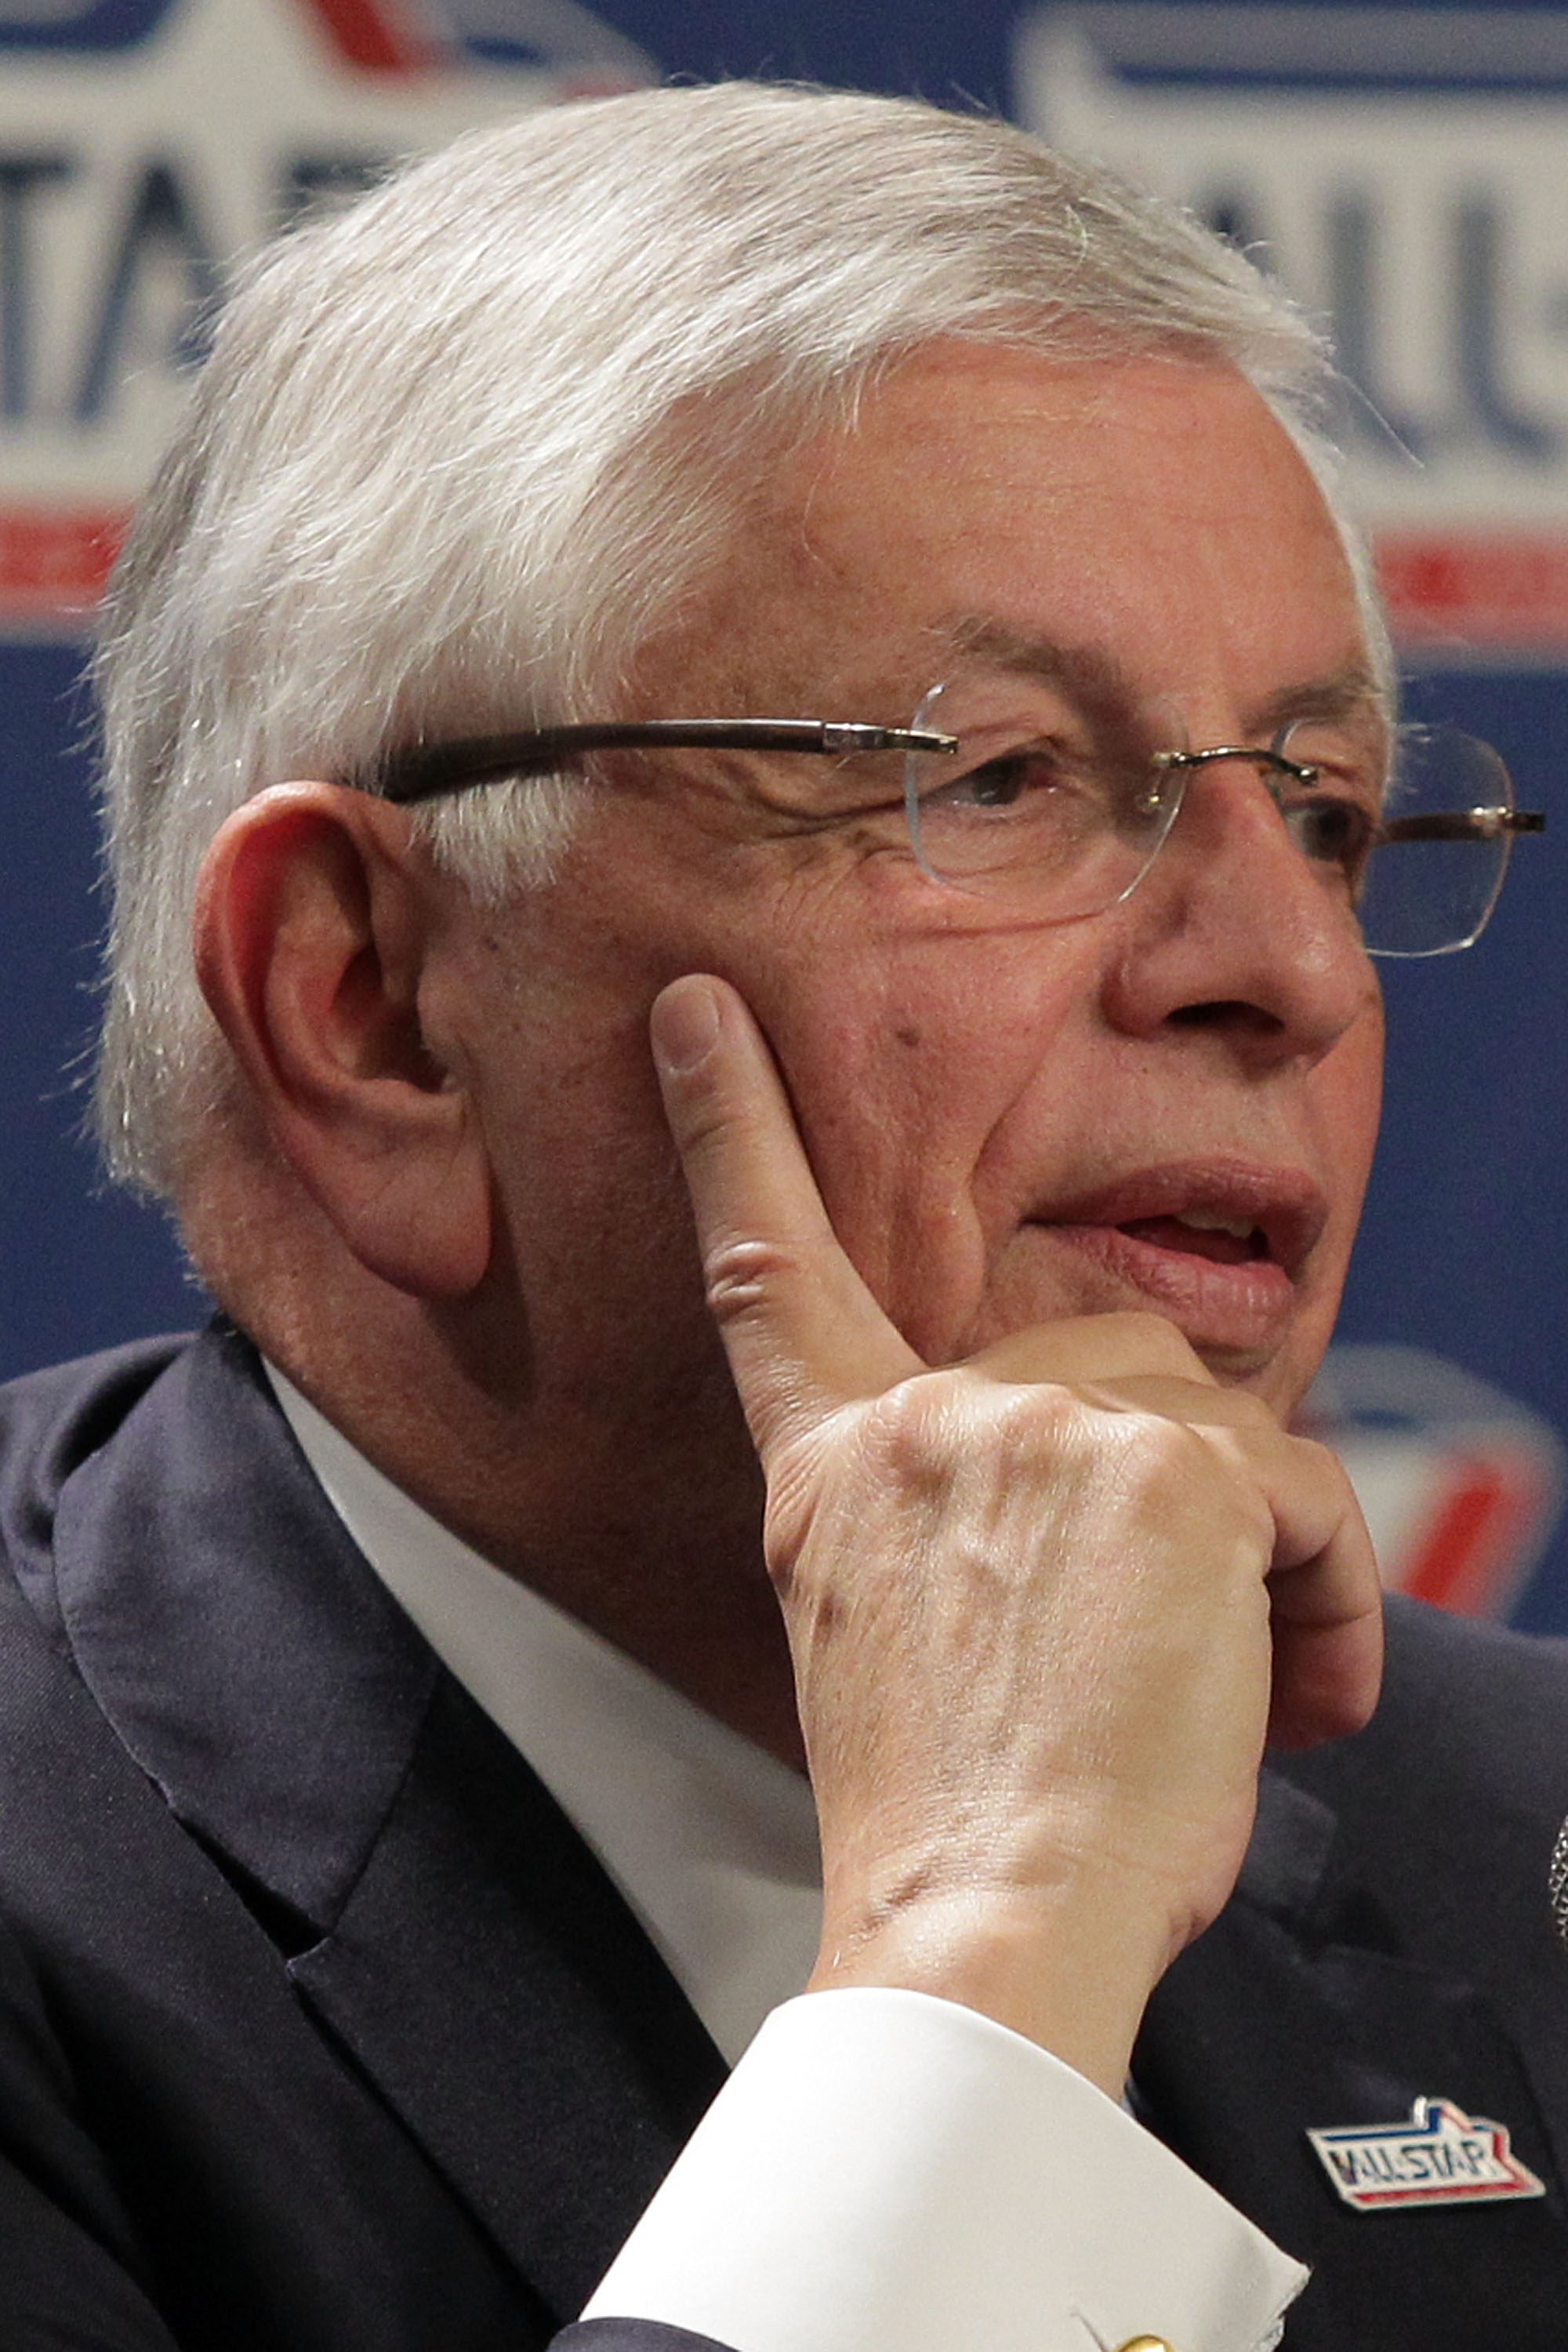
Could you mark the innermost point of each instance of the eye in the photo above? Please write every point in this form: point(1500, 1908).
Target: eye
point(1333, 832)
point(1002, 783)
point(1042, 785)
point(1335, 820)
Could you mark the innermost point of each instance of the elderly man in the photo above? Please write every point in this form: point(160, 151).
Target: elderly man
point(837, 580)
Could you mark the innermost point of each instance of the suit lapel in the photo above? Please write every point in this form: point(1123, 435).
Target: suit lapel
point(1295, 2012)
point(457, 1942)
point(482, 1926)
point(434, 1908)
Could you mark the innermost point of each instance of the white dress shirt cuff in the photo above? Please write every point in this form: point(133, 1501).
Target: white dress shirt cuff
point(887, 2172)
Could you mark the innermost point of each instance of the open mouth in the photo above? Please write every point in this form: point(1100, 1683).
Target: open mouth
point(1222, 1241)
point(1223, 1213)
point(1220, 1246)
point(1229, 1275)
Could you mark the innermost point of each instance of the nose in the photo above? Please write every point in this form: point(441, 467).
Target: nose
point(1233, 932)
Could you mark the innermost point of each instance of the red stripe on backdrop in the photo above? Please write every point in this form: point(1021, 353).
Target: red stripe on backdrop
point(1489, 589)
point(377, 35)
point(54, 561)
point(1468, 1548)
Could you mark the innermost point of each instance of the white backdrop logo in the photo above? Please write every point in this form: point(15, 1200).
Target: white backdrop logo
point(1406, 172)
point(1462, 1486)
point(144, 145)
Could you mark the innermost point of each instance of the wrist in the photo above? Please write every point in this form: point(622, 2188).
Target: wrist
point(1072, 1973)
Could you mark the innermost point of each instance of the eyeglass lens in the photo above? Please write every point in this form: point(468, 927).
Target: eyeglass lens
point(1051, 815)
point(1431, 886)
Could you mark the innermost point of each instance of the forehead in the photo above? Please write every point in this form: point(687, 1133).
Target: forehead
point(1148, 513)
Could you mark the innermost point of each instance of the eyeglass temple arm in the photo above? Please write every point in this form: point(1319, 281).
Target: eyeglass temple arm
point(1464, 824)
point(424, 770)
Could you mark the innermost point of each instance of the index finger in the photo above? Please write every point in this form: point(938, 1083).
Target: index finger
point(802, 1333)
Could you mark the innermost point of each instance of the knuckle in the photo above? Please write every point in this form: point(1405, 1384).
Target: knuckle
point(1324, 1461)
point(1245, 1411)
point(742, 1273)
point(1009, 1458)
point(938, 1420)
point(911, 1434)
point(1167, 1456)
point(1199, 1472)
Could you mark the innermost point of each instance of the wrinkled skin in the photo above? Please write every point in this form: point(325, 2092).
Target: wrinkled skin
point(1015, 1336)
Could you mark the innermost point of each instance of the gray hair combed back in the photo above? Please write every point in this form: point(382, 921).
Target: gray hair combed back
point(459, 448)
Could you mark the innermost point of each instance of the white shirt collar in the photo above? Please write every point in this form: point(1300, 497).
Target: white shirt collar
point(711, 1841)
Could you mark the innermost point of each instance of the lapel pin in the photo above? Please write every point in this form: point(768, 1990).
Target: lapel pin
point(1441, 2157)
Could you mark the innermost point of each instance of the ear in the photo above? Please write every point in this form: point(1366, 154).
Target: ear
point(314, 939)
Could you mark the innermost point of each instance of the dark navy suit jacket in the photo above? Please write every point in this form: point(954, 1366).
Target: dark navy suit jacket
point(321, 2031)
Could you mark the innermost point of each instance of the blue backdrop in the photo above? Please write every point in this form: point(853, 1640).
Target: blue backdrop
point(1463, 1251)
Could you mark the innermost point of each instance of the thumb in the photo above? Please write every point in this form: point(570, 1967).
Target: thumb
point(803, 1334)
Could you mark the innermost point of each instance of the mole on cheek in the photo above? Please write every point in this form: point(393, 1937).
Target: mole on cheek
point(908, 1036)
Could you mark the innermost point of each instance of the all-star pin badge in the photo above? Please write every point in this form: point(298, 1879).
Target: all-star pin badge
point(1441, 2157)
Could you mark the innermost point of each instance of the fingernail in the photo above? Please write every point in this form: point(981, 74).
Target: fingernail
point(684, 1025)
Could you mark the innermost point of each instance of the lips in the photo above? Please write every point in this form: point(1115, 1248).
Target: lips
point(1218, 1246)
point(1229, 1211)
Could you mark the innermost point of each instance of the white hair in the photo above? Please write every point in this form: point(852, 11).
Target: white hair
point(459, 448)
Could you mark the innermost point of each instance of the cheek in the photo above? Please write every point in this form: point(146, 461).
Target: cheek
point(898, 1086)
point(1350, 1084)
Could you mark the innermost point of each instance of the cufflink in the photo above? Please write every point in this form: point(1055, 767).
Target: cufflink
point(1144, 2343)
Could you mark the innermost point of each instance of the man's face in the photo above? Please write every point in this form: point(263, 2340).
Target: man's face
point(1168, 1106)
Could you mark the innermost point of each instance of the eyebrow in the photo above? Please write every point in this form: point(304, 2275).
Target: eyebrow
point(1102, 686)
point(1353, 692)
point(1092, 678)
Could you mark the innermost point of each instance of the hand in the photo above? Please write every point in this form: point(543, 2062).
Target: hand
point(1044, 1606)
